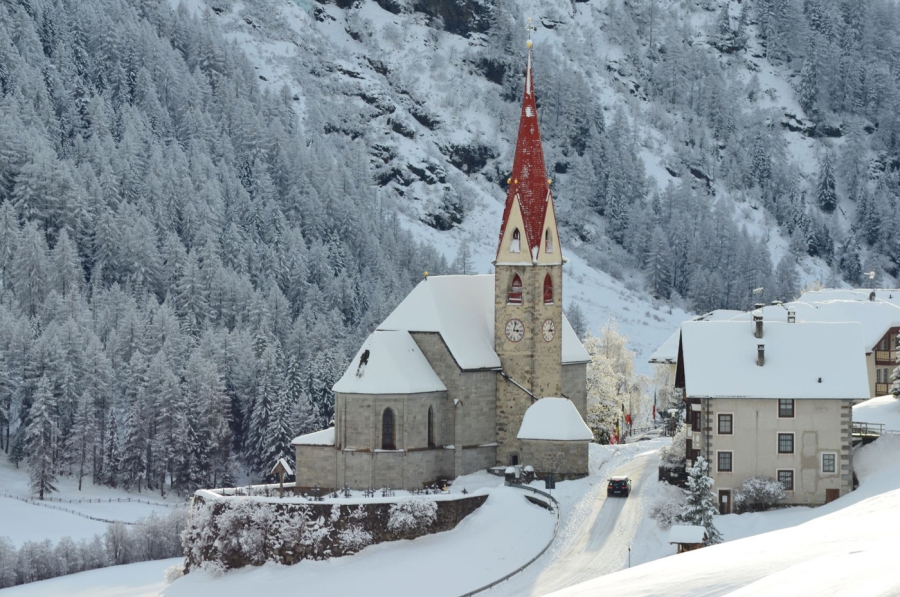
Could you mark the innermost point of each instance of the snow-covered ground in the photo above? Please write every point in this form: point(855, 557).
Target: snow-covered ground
point(133, 580)
point(882, 409)
point(849, 548)
point(24, 521)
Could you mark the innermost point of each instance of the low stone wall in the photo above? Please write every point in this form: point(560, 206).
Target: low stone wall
point(566, 460)
point(226, 532)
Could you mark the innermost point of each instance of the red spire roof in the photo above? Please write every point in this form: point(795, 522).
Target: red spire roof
point(529, 175)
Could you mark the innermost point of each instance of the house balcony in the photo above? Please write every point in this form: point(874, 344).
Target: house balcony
point(882, 389)
point(885, 356)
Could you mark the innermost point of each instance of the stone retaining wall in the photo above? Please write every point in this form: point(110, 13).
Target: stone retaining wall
point(227, 532)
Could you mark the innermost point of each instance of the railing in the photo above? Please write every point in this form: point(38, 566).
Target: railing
point(861, 428)
point(532, 560)
point(885, 356)
point(882, 388)
point(42, 503)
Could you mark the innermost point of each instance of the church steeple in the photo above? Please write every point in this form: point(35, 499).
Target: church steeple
point(528, 198)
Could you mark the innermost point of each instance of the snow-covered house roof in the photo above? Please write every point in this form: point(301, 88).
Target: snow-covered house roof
point(389, 362)
point(802, 360)
point(283, 463)
point(889, 295)
point(461, 310)
point(686, 533)
point(317, 438)
point(667, 353)
point(876, 317)
point(554, 419)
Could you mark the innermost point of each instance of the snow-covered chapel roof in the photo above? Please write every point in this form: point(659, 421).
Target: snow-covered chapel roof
point(802, 360)
point(324, 437)
point(389, 362)
point(461, 310)
point(554, 419)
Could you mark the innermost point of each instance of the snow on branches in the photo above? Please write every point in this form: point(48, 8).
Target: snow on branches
point(414, 514)
point(701, 504)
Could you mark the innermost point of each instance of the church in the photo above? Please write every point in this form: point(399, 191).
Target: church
point(468, 372)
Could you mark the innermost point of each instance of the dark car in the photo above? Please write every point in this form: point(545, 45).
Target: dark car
point(618, 486)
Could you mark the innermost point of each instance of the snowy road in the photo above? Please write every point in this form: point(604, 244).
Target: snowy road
point(598, 529)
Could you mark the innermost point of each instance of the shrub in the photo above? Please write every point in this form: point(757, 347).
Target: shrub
point(666, 510)
point(412, 515)
point(758, 494)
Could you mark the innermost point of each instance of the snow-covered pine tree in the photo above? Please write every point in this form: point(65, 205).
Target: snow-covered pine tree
point(111, 451)
point(132, 462)
point(826, 196)
point(42, 439)
point(701, 503)
point(83, 438)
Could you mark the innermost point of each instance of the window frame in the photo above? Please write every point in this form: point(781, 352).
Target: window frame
point(548, 286)
point(388, 415)
point(515, 297)
point(778, 437)
point(696, 421)
point(822, 470)
point(730, 423)
point(790, 471)
point(430, 432)
point(793, 408)
point(548, 241)
point(719, 454)
point(515, 243)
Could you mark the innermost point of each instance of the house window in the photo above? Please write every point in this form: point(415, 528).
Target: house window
point(430, 426)
point(695, 420)
point(785, 409)
point(548, 290)
point(786, 478)
point(785, 443)
point(388, 434)
point(515, 291)
point(725, 424)
point(724, 462)
point(829, 463)
point(548, 242)
point(515, 243)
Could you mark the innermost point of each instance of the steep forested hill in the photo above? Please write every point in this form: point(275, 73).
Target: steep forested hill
point(204, 207)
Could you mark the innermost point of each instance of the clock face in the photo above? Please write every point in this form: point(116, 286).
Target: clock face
point(548, 330)
point(515, 330)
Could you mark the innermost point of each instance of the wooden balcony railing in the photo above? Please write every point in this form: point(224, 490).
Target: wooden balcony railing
point(885, 356)
point(882, 389)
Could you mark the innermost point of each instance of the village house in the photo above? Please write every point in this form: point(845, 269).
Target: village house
point(441, 388)
point(772, 399)
point(878, 311)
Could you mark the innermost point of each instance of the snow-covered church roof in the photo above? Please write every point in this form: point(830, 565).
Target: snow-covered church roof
point(325, 437)
point(554, 419)
point(389, 362)
point(802, 360)
point(461, 310)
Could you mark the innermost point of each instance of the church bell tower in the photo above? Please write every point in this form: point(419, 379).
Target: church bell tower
point(528, 286)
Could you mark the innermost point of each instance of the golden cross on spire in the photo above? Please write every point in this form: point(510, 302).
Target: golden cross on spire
point(529, 27)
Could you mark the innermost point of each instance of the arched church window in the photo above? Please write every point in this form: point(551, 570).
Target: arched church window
point(548, 242)
point(515, 291)
point(515, 244)
point(548, 290)
point(388, 433)
point(430, 426)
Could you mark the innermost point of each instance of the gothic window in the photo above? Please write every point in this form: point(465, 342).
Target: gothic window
point(514, 245)
point(548, 290)
point(430, 426)
point(548, 242)
point(515, 291)
point(388, 434)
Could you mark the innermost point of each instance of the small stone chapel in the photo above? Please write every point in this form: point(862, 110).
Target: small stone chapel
point(468, 372)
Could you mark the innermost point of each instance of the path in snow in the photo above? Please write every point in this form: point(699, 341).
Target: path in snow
point(601, 535)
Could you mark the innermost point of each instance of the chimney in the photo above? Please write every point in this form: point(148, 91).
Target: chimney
point(760, 354)
point(792, 316)
point(758, 322)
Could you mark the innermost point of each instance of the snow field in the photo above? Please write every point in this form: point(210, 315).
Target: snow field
point(133, 580)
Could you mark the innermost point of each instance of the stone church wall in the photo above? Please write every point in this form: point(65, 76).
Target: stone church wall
point(566, 460)
point(574, 386)
point(317, 465)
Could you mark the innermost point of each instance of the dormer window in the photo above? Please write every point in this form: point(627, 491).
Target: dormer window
point(515, 291)
point(514, 245)
point(548, 242)
point(548, 290)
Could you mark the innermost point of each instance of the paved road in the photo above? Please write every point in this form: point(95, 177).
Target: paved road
point(598, 543)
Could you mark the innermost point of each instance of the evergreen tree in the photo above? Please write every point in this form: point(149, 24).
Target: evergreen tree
point(701, 504)
point(42, 438)
point(132, 462)
point(826, 196)
point(577, 319)
point(111, 452)
point(82, 439)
